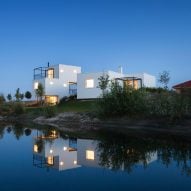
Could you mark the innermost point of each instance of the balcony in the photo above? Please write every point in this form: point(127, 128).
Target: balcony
point(43, 72)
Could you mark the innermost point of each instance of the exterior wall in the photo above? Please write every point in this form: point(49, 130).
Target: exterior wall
point(59, 150)
point(83, 146)
point(147, 79)
point(59, 85)
point(90, 93)
point(63, 74)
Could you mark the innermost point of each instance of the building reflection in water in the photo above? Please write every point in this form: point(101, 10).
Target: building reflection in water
point(50, 151)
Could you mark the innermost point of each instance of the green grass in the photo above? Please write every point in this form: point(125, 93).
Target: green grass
point(68, 106)
point(76, 106)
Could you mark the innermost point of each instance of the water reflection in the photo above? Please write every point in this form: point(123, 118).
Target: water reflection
point(54, 150)
point(51, 151)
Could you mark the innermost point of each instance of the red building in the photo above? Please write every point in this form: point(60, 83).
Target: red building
point(182, 86)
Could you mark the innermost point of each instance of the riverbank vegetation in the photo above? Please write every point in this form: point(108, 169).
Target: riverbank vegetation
point(145, 102)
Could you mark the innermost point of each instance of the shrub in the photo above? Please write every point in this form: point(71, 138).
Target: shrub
point(5, 109)
point(49, 111)
point(125, 101)
point(2, 99)
point(18, 108)
point(120, 101)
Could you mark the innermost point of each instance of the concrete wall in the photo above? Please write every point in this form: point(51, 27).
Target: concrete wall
point(59, 149)
point(87, 93)
point(59, 85)
point(147, 79)
point(83, 146)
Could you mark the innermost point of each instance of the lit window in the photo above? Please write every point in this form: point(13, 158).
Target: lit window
point(36, 85)
point(50, 160)
point(53, 134)
point(65, 148)
point(61, 70)
point(75, 71)
point(51, 99)
point(35, 148)
point(51, 83)
point(65, 85)
point(90, 83)
point(89, 155)
point(50, 74)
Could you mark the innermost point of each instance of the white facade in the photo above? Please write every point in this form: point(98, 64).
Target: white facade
point(147, 79)
point(58, 154)
point(57, 83)
point(92, 91)
point(85, 92)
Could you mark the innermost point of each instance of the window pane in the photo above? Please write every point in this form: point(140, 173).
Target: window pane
point(89, 155)
point(89, 83)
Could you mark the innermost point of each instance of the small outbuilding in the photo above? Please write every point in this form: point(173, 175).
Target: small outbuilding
point(183, 86)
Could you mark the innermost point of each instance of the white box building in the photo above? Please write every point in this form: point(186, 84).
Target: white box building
point(87, 84)
point(66, 80)
point(58, 81)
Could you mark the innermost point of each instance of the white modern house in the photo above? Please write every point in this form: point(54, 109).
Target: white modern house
point(87, 83)
point(58, 81)
point(60, 154)
point(65, 80)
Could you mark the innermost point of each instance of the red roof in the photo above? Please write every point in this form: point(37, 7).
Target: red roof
point(186, 84)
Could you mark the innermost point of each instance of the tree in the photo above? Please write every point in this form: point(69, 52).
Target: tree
point(103, 82)
point(2, 99)
point(18, 95)
point(9, 97)
point(28, 95)
point(22, 96)
point(164, 79)
point(39, 92)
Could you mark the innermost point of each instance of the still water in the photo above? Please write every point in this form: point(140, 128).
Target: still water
point(46, 159)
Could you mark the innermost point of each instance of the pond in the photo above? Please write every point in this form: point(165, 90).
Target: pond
point(46, 159)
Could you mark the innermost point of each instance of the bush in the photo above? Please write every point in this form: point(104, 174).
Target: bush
point(122, 101)
point(125, 101)
point(18, 108)
point(49, 111)
point(2, 99)
point(5, 109)
point(64, 99)
point(72, 97)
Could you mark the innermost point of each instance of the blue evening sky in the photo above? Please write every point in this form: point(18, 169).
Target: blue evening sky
point(140, 35)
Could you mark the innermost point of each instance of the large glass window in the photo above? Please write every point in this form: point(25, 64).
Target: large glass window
point(89, 83)
point(35, 85)
point(89, 155)
point(51, 99)
point(50, 73)
point(50, 160)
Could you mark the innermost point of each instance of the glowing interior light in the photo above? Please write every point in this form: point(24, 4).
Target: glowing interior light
point(89, 155)
point(53, 134)
point(36, 85)
point(51, 83)
point(89, 83)
point(65, 85)
point(75, 162)
point(50, 160)
point(51, 151)
point(35, 148)
point(61, 163)
point(65, 148)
